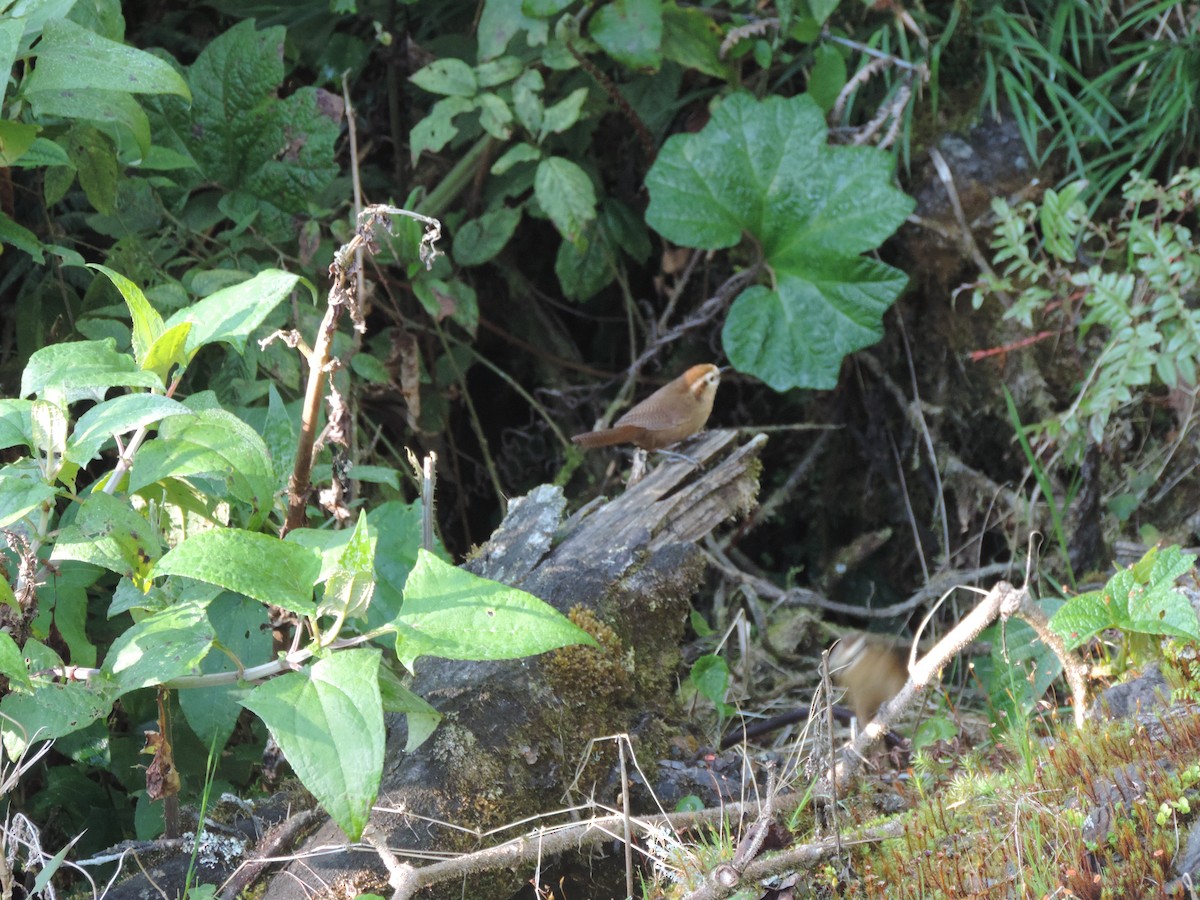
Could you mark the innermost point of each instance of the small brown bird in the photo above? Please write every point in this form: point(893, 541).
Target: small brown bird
point(673, 412)
point(871, 671)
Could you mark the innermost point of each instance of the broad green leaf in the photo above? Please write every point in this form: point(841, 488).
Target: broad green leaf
point(710, 675)
point(110, 111)
point(691, 38)
point(16, 427)
point(63, 601)
point(70, 56)
point(329, 544)
point(166, 645)
point(566, 193)
point(422, 719)
point(279, 434)
point(12, 664)
point(14, 235)
point(449, 76)
point(270, 152)
point(437, 129)
point(245, 562)
point(43, 154)
point(94, 157)
point(498, 71)
point(797, 334)
point(479, 240)
point(232, 314)
point(500, 22)
point(22, 491)
point(82, 370)
point(351, 585)
point(518, 153)
point(127, 597)
point(584, 270)
point(544, 8)
point(451, 613)
point(11, 30)
point(495, 116)
point(377, 475)
point(1017, 651)
point(147, 323)
point(763, 169)
point(328, 720)
point(527, 102)
point(822, 9)
point(168, 350)
point(120, 415)
point(7, 597)
point(630, 31)
point(109, 533)
point(15, 137)
point(563, 114)
point(1142, 598)
point(397, 529)
point(214, 448)
point(242, 629)
point(828, 76)
point(52, 711)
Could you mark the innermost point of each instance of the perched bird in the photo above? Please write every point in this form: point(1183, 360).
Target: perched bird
point(871, 671)
point(673, 412)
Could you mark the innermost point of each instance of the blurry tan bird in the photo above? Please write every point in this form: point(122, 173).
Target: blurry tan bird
point(673, 412)
point(871, 671)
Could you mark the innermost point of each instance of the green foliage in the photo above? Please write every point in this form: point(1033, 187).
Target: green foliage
point(1140, 600)
point(193, 179)
point(1117, 100)
point(312, 712)
point(763, 169)
point(1017, 674)
point(710, 677)
point(155, 537)
point(1133, 279)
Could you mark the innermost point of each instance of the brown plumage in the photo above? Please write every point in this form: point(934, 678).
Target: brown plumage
point(871, 671)
point(673, 412)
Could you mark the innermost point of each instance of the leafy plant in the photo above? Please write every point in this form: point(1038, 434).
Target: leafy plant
point(1117, 100)
point(1141, 600)
point(187, 178)
point(171, 534)
point(762, 169)
point(1135, 321)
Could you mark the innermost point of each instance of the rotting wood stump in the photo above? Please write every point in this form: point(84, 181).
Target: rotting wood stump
point(515, 732)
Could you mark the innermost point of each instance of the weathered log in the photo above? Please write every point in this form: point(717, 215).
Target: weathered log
point(515, 732)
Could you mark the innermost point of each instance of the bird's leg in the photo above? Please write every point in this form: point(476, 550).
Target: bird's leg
point(679, 457)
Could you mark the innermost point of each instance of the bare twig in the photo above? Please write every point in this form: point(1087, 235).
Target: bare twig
point(279, 838)
point(546, 841)
point(342, 298)
point(938, 584)
point(966, 238)
point(426, 473)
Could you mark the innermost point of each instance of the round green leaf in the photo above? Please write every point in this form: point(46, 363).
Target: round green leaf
point(630, 31)
point(764, 169)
